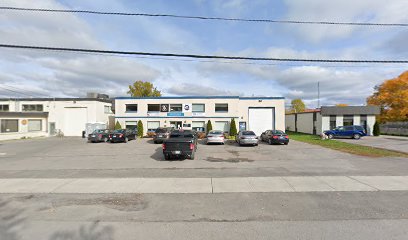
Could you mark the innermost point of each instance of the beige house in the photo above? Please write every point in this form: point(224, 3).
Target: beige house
point(193, 112)
point(34, 117)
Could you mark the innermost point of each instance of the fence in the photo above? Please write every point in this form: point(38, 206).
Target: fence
point(394, 128)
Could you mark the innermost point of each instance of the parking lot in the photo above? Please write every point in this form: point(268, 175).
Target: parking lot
point(58, 187)
point(395, 143)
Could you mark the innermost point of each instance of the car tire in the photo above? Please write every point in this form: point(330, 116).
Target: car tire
point(330, 136)
point(356, 136)
point(286, 143)
point(166, 156)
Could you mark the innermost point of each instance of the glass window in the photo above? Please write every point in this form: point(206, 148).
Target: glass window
point(176, 108)
point(153, 107)
point(32, 107)
point(34, 125)
point(4, 108)
point(221, 107)
point(348, 120)
point(248, 133)
point(131, 107)
point(198, 107)
point(221, 125)
point(198, 126)
point(152, 126)
point(108, 109)
point(9, 125)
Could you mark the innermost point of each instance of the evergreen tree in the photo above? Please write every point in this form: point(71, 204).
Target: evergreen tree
point(376, 130)
point(118, 126)
point(209, 126)
point(233, 128)
point(140, 129)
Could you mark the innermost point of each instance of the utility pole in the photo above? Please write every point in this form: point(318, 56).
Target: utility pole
point(318, 94)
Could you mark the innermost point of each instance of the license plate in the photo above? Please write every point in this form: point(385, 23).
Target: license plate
point(160, 135)
point(176, 152)
point(282, 137)
point(114, 136)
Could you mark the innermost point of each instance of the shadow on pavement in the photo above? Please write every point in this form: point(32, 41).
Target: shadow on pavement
point(91, 232)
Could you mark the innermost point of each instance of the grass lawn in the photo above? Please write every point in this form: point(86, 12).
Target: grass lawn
point(345, 147)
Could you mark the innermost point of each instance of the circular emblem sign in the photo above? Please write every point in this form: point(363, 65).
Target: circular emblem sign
point(186, 107)
point(24, 122)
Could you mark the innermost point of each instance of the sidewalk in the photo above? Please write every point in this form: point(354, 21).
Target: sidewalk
point(205, 185)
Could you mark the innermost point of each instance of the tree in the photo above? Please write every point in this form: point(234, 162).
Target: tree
point(209, 126)
point(392, 97)
point(117, 125)
point(233, 128)
point(297, 105)
point(140, 129)
point(376, 129)
point(143, 89)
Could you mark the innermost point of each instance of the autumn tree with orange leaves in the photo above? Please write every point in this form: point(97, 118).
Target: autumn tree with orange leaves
point(392, 97)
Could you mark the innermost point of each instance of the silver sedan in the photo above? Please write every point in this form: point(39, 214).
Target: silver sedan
point(247, 138)
point(215, 136)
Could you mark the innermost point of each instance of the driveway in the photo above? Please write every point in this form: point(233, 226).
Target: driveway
point(388, 142)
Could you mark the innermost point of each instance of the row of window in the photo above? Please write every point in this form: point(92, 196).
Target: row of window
point(11, 125)
point(196, 107)
point(348, 120)
point(26, 108)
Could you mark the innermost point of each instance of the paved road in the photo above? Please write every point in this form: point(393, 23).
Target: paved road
point(387, 142)
point(56, 189)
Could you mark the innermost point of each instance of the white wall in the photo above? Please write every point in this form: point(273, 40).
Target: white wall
point(325, 123)
point(370, 124)
point(305, 123)
point(290, 122)
point(23, 131)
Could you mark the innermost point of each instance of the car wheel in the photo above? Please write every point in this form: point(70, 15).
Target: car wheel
point(155, 142)
point(286, 143)
point(356, 136)
point(166, 156)
point(330, 136)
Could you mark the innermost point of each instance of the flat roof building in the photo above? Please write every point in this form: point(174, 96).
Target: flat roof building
point(193, 112)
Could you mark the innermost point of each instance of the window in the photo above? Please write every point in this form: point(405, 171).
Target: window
point(130, 124)
point(153, 107)
point(131, 107)
point(348, 120)
point(108, 109)
point(332, 122)
point(34, 125)
point(152, 126)
point(222, 126)
point(176, 108)
point(9, 125)
point(32, 107)
point(348, 128)
point(221, 107)
point(198, 107)
point(198, 126)
point(4, 108)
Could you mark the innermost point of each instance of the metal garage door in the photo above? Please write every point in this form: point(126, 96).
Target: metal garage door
point(75, 120)
point(261, 119)
point(221, 125)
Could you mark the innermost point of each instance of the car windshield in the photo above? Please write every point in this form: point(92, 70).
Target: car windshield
point(215, 132)
point(119, 131)
point(278, 132)
point(248, 133)
point(161, 130)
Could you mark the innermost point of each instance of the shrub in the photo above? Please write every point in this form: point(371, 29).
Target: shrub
point(118, 126)
point(209, 126)
point(201, 135)
point(233, 128)
point(140, 129)
point(376, 129)
point(150, 134)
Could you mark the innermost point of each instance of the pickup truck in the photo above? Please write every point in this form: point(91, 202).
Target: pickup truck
point(180, 144)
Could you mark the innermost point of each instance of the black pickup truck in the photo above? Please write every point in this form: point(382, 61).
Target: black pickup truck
point(180, 144)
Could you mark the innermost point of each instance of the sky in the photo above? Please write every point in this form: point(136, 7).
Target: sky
point(61, 74)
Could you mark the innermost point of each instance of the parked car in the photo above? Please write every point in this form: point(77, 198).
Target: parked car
point(99, 135)
point(354, 131)
point(275, 137)
point(215, 136)
point(247, 138)
point(162, 134)
point(122, 135)
point(180, 144)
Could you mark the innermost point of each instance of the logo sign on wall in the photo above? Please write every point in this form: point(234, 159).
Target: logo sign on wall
point(164, 107)
point(24, 122)
point(187, 107)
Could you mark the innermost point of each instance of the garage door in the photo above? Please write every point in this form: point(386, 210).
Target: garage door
point(260, 119)
point(75, 120)
point(221, 125)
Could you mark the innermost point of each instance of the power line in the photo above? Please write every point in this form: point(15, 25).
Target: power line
point(207, 18)
point(18, 92)
point(25, 91)
point(195, 56)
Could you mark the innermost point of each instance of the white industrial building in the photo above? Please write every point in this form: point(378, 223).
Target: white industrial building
point(330, 117)
point(193, 112)
point(35, 117)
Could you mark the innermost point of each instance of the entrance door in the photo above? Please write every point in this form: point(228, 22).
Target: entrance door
point(176, 124)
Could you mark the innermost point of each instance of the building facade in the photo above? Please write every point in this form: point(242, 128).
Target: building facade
point(330, 117)
point(34, 117)
point(250, 113)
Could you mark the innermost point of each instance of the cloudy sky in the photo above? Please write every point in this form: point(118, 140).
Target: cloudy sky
point(58, 74)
